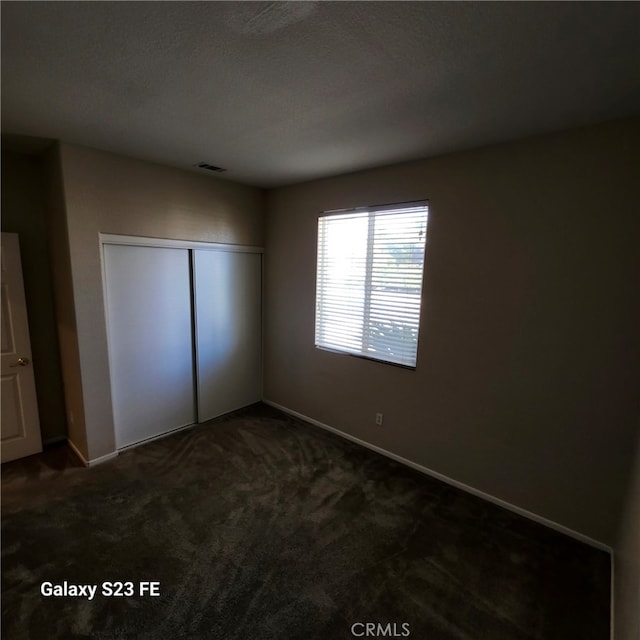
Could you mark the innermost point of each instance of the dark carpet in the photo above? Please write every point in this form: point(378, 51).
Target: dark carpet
point(259, 526)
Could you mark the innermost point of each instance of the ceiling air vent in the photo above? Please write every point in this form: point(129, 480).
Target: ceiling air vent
point(210, 167)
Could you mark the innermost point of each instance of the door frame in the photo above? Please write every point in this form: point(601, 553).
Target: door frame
point(144, 241)
point(141, 241)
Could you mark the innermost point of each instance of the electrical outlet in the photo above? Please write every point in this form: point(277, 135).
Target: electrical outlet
point(379, 419)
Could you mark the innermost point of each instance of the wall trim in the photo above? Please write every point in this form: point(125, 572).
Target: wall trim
point(158, 436)
point(446, 479)
point(143, 241)
point(95, 461)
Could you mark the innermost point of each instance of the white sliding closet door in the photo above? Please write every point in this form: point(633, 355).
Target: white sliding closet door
point(228, 323)
point(150, 340)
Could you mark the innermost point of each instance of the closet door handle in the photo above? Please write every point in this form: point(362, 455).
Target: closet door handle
point(20, 362)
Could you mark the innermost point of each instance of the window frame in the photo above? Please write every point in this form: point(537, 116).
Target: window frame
point(372, 209)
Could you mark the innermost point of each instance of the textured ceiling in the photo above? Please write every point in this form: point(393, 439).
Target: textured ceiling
point(280, 92)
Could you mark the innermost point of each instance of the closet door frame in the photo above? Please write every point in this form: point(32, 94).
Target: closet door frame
point(193, 245)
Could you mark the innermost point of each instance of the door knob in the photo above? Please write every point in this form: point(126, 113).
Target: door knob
point(20, 362)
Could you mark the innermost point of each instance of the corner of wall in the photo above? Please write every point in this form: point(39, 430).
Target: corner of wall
point(57, 231)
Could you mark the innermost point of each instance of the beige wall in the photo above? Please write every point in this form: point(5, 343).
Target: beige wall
point(627, 562)
point(113, 194)
point(527, 369)
point(24, 213)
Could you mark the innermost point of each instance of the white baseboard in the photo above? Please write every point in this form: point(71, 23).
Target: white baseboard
point(95, 461)
point(455, 483)
point(114, 454)
point(165, 434)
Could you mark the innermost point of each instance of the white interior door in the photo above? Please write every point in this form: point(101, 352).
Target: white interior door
point(150, 340)
point(228, 322)
point(20, 424)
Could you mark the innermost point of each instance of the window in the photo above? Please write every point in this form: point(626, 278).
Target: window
point(369, 281)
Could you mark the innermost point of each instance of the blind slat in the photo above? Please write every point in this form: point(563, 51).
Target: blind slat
point(369, 280)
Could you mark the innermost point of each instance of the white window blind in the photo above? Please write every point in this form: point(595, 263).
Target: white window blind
point(369, 281)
